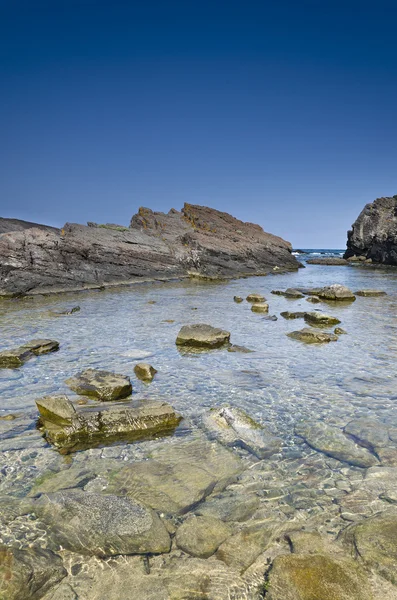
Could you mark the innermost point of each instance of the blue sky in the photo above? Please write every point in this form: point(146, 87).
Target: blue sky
point(280, 112)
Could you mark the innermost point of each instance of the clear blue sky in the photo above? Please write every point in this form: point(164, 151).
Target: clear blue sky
point(281, 112)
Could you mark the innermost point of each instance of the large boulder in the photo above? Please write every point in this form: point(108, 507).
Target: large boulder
point(336, 292)
point(101, 385)
point(374, 233)
point(202, 336)
point(101, 525)
point(197, 240)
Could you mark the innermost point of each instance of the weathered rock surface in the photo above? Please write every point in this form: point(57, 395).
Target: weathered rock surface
point(320, 319)
point(260, 307)
point(101, 525)
point(12, 359)
point(312, 336)
point(234, 427)
point(241, 549)
point(156, 245)
point(145, 372)
point(313, 299)
point(28, 573)
point(368, 432)
point(330, 261)
point(374, 540)
point(336, 292)
point(291, 293)
point(374, 233)
point(287, 314)
point(316, 577)
point(178, 477)
point(202, 336)
point(230, 507)
point(339, 331)
point(333, 442)
point(10, 225)
point(370, 293)
point(201, 536)
point(255, 298)
point(101, 385)
point(69, 430)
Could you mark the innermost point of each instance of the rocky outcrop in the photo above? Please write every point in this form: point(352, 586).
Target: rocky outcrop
point(374, 234)
point(195, 241)
point(7, 225)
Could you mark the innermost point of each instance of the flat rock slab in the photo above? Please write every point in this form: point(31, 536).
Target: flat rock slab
point(316, 577)
point(70, 430)
point(101, 385)
point(178, 476)
point(368, 432)
point(375, 541)
point(230, 507)
point(370, 293)
point(12, 359)
point(320, 319)
point(336, 292)
point(260, 307)
point(336, 262)
point(255, 298)
point(28, 573)
point(201, 536)
point(333, 442)
point(312, 336)
point(291, 293)
point(241, 549)
point(100, 525)
point(234, 427)
point(202, 336)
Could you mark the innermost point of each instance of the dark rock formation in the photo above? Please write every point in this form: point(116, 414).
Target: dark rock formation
point(196, 241)
point(7, 225)
point(374, 233)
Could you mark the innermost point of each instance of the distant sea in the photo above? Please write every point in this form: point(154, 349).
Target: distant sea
point(305, 253)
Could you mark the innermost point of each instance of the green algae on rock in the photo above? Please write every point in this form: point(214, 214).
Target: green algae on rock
point(201, 335)
point(101, 385)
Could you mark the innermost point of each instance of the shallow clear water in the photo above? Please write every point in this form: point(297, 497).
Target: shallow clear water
point(280, 382)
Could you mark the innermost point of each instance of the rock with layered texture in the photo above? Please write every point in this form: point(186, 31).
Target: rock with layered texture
point(374, 233)
point(102, 385)
point(196, 240)
point(16, 357)
point(201, 335)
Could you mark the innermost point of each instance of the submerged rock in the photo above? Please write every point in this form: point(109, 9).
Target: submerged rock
point(293, 315)
point(375, 541)
point(320, 319)
point(370, 293)
point(28, 573)
point(202, 336)
point(339, 331)
point(101, 385)
point(178, 476)
point(230, 507)
point(368, 432)
point(242, 349)
point(312, 336)
point(260, 307)
point(201, 536)
point(145, 372)
point(240, 550)
point(234, 427)
point(313, 299)
point(255, 298)
point(63, 313)
point(333, 442)
point(336, 292)
point(12, 359)
point(98, 525)
point(316, 577)
point(291, 293)
point(69, 430)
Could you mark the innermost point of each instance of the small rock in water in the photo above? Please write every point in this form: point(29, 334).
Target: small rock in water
point(235, 428)
point(260, 307)
point(336, 292)
point(293, 315)
point(256, 298)
point(101, 385)
point(238, 299)
point(318, 318)
point(62, 313)
point(93, 524)
point(242, 349)
point(370, 293)
point(9, 417)
point(291, 293)
point(12, 359)
point(201, 536)
point(202, 336)
point(312, 336)
point(144, 371)
point(333, 442)
point(270, 318)
point(313, 299)
point(339, 331)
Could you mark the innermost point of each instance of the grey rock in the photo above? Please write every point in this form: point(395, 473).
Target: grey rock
point(320, 319)
point(103, 526)
point(101, 385)
point(234, 427)
point(291, 293)
point(156, 245)
point(12, 359)
point(231, 507)
point(333, 442)
point(374, 233)
point(336, 292)
point(202, 336)
point(369, 293)
point(368, 432)
point(313, 299)
point(287, 314)
point(201, 536)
